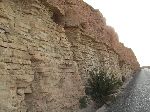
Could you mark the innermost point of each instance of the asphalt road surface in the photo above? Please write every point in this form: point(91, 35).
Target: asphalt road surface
point(136, 96)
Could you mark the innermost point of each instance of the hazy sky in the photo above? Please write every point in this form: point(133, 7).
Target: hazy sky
point(131, 20)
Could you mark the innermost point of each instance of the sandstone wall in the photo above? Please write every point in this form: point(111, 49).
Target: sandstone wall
point(46, 48)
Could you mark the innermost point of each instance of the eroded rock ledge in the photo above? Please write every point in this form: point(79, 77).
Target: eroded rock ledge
point(46, 47)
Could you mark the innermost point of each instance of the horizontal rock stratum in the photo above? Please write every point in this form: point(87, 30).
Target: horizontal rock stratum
point(46, 49)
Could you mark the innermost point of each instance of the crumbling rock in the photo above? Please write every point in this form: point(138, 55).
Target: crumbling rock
point(46, 49)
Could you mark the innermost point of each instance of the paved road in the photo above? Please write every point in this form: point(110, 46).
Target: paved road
point(136, 97)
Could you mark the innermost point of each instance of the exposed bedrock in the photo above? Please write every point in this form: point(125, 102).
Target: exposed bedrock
point(46, 49)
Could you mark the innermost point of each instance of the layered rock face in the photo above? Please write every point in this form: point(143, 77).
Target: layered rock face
point(46, 49)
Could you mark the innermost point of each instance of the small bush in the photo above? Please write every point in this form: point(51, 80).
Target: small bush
point(100, 85)
point(83, 102)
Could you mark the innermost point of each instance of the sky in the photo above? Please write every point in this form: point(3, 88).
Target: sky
point(131, 20)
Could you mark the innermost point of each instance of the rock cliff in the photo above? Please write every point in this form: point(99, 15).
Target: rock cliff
point(46, 48)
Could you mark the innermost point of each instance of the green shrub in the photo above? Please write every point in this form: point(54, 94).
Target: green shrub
point(100, 85)
point(83, 102)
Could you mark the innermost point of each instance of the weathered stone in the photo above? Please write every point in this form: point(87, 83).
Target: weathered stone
point(46, 49)
point(2, 65)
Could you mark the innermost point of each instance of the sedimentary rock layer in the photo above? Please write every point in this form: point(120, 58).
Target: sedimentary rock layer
point(46, 49)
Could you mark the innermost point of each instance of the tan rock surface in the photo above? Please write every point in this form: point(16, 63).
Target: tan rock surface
point(46, 48)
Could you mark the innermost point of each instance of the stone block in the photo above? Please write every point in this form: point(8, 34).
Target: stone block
point(3, 65)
